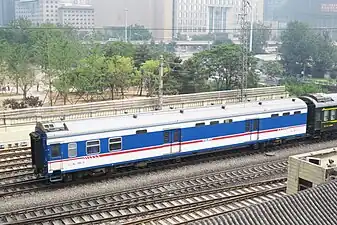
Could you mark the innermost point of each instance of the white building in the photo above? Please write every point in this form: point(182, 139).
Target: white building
point(56, 12)
point(79, 16)
point(195, 17)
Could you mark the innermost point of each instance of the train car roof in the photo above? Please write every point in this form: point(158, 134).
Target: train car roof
point(160, 118)
point(321, 100)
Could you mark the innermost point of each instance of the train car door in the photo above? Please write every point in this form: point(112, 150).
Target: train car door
point(253, 127)
point(56, 157)
point(173, 137)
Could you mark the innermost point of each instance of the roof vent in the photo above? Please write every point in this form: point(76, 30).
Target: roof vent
point(181, 111)
point(212, 103)
point(260, 103)
point(135, 116)
point(223, 107)
point(248, 100)
point(125, 112)
point(293, 100)
point(50, 127)
point(171, 107)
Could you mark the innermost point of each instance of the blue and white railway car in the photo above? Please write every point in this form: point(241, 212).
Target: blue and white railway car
point(62, 149)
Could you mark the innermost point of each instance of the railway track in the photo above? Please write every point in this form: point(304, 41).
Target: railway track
point(135, 202)
point(215, 204)
point(14, 152)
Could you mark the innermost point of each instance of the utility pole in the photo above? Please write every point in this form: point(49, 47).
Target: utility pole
point(126, 25)
point(161, 84)
point(251, 27)
point(244, 47)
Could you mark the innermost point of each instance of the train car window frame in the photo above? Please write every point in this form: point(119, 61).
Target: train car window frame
point(177, 136)
point(213, 122)
point(89, 145)
point(286, 114)
point(52, 150)
point(228, 121)
point(166, 137)
point(297, 112)
point(116, 143)
point(318, 116)
point(248, 126)
point(72, 150)
point(274, 115)
point(141, 131)
point(200, 124)
point(326, 115)
point(333, 115)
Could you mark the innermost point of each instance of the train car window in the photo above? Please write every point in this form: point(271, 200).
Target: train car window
point(141, 131)
point(214, 122)
point(318, 116)
point(176, 136)
point(326, 116)
point(93, 147)
point(256, 125)
point(248, 126)
point(228, 121)
point(166, 136)
point(55, 150)
point(199, 124)
point(297, 112)
point(72, 150)
point(274, 115)
point(115, 144)
point(333, 115)
point(286, 114)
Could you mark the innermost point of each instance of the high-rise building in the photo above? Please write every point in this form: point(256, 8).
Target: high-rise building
point(155, 15)
point(167, 18)
point(7, 11)
point(56, 12)
point(212, 16)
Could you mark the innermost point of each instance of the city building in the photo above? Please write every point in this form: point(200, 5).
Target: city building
point(71, 12)
point(79, 16)
point(167, 18)
point(7, 11)
point(156, 15)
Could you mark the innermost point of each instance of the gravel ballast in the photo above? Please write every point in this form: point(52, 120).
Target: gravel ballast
point(120, 184)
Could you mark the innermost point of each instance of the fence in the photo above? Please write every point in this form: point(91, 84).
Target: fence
point(110, 108)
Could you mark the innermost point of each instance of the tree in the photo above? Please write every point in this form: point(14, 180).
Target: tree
point(136, 32)
point(273, 68)
point(65, 52)
point(301, 47)
point(90, 75)
point(193, 79)
point(223, 64)
point(139, 33)
point(296, 47)
point(119, 48)
point(18, 55)
point(119, 74)
point(261, 35)
point(151, 76)
point(324, 54)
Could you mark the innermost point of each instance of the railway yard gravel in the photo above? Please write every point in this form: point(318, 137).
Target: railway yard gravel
point(112, 185)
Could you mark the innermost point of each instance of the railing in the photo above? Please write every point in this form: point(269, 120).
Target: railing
point(110, 108)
